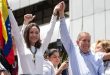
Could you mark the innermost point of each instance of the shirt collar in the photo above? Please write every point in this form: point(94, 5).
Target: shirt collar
point(88, 53)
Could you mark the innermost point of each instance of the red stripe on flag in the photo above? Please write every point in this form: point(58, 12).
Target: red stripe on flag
point(10, 58)
point(1, 37)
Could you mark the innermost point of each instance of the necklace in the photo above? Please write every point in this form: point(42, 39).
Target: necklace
point(33, 50)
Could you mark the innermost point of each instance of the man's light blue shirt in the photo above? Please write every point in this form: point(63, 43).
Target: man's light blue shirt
point(80, 63)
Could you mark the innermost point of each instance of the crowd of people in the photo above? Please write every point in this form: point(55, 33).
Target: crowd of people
point(35, 59)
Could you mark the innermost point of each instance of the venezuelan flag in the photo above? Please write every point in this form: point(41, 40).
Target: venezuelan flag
point(6, 32)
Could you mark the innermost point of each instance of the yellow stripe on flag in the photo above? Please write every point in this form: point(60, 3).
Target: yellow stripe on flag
point(3, 12)
point(0, 4)
point(4, 32)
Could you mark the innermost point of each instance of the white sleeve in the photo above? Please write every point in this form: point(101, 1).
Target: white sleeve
point(48, 68)
point(46, 71)
point(23, 28)
point(16, 33)
point(19, 41)
point(49, 34)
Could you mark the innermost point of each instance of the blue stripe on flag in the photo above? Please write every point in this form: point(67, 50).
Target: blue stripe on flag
point(8, 44)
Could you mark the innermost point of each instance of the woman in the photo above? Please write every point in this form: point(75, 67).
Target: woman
point(30, 49)
point(34, 51)
point(102, 49)
point(52, 61)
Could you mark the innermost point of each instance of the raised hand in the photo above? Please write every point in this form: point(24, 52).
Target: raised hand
point(62, 9)
point(28, 18)
point(57, 9)
point(63, 66)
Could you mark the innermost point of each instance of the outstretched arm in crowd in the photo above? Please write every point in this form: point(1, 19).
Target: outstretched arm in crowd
point(52, 25)
point(27, 19)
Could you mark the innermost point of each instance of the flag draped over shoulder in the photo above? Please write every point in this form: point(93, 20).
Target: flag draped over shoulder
point(5, 33)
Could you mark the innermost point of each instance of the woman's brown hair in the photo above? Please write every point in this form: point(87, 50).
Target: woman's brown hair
point(26, 35)
point(105, 44)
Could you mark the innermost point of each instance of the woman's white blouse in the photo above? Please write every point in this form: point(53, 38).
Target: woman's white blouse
point(25, 56)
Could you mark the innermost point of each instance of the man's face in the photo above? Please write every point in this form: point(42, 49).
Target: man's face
point(84, 43)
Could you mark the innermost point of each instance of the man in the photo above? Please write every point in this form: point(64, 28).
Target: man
point(81, 60)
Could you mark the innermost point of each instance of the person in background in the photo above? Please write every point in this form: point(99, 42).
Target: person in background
point(102, 49)
point(53, 60)
point(81, 60)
